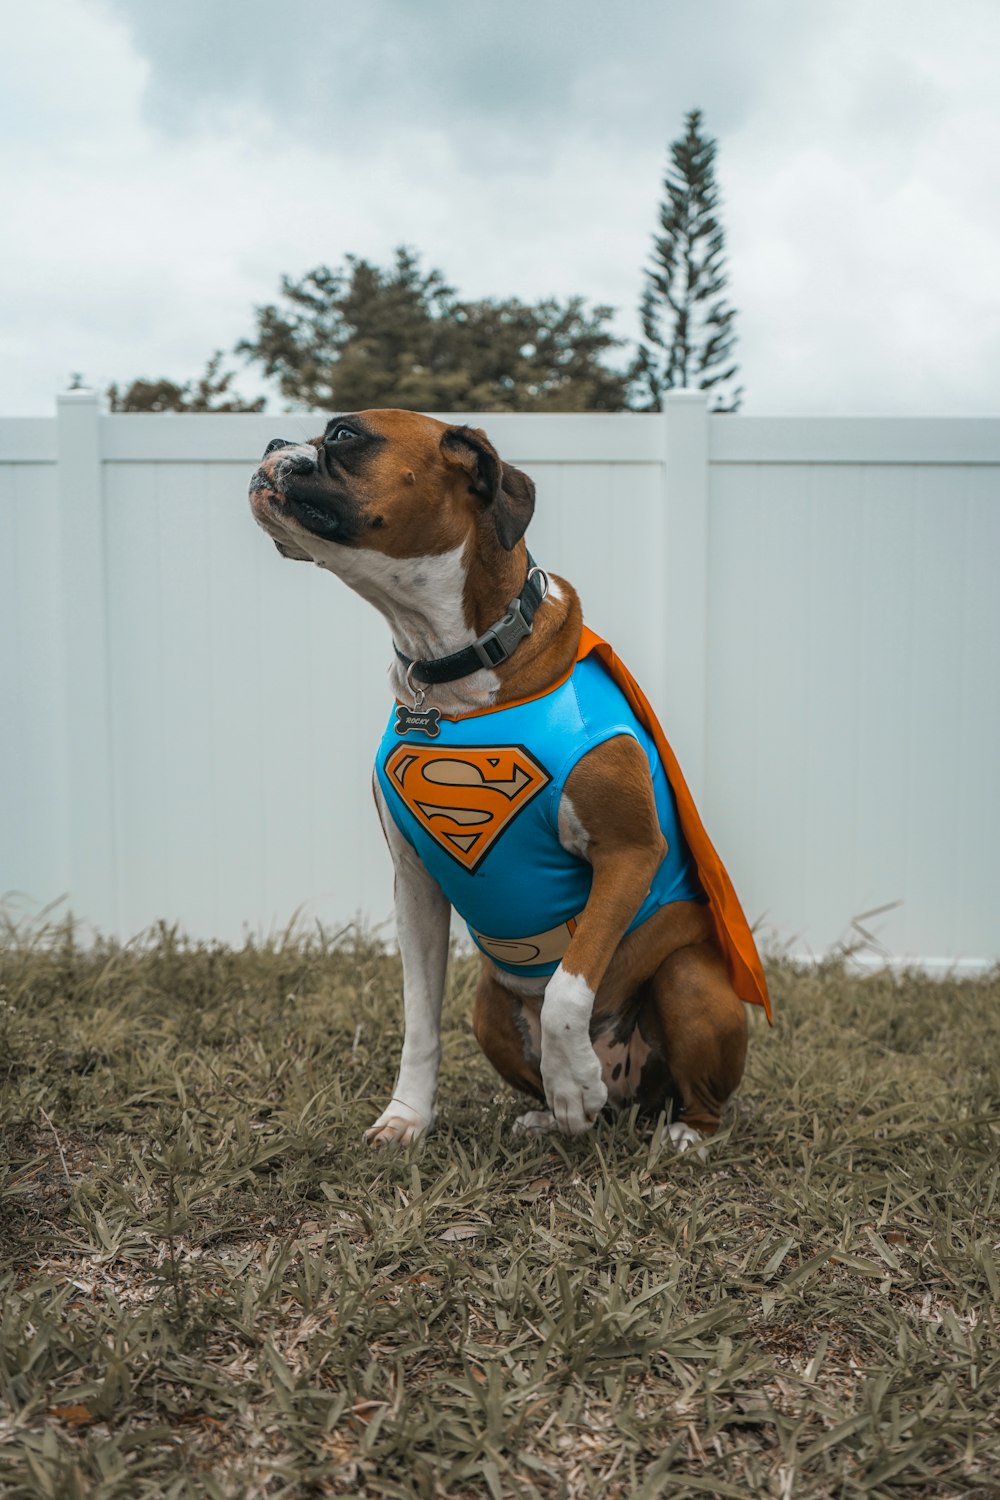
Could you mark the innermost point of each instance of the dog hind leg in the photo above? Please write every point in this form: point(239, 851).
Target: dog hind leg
point(703, 1030)
point(509, 1032)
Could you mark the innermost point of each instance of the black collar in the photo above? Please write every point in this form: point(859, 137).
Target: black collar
point(495, 645)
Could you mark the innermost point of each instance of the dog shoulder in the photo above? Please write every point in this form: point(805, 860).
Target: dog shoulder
point(608, 804)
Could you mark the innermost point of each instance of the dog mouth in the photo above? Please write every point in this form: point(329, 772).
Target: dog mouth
point(315, 515)
point(298, 503)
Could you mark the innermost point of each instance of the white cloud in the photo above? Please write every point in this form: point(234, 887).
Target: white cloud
point(866, 251)
point(159, 182)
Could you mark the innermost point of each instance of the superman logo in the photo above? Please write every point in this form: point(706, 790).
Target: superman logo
point(465, 798)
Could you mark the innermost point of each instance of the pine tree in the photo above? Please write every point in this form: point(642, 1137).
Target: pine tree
point(685, 318)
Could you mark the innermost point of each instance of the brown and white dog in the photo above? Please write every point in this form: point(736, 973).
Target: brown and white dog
point(426, 522)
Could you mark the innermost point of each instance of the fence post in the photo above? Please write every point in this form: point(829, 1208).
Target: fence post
point(83, 563)
point(685, 478)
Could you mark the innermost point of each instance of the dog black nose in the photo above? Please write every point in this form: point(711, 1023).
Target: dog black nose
point(297, 463)
point(278, 443)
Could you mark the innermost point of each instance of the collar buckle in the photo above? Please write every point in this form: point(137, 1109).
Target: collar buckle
point(493, 647)
point(502, 639)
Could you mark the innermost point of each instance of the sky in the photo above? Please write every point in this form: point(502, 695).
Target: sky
point(164, 165)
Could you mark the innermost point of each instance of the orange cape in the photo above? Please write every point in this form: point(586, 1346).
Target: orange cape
point(732, 929)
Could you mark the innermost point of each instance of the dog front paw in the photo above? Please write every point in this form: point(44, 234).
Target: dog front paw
point(574, 1090)
point(575, 1108)
point(571, 1071)
point(397, 1125)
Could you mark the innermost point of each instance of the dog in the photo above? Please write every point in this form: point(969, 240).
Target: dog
point(523, 778)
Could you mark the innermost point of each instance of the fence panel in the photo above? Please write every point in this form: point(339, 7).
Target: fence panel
point(189, 720)
point(854, 638)
point(34, 807)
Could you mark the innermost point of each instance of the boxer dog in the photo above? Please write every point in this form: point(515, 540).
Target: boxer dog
point(524, 778)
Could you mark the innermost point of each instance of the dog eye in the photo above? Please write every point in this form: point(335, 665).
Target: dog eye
point(341, 433)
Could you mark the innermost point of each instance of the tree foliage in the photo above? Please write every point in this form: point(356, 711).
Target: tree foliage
point(687, 323)
point(210, 392)
point(363, 336)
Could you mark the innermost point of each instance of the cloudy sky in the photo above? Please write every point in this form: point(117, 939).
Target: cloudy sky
point(164, 164)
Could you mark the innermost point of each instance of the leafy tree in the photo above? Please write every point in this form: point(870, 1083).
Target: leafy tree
point(211, 392)
point(686, 320)
point(364, 336)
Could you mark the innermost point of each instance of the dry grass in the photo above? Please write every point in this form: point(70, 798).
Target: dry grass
point(210, 1289)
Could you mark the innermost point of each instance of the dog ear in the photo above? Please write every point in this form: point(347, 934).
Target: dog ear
point(514, 507)
point(509, 493)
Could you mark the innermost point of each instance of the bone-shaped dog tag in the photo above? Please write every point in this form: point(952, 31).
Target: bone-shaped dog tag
point(425, 721)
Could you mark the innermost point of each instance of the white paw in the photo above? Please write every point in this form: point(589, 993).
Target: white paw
point(576, 1103)
point(397, 1125)
point(683, 1138)
point(571, 1071)
point(535, 1122)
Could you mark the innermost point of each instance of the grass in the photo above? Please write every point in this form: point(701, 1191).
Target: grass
point(210, 1288)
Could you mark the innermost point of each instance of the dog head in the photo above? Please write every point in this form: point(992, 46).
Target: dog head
point(389, 482)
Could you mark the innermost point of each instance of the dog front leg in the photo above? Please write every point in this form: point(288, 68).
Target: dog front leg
point(423, 916)
point(607, 816)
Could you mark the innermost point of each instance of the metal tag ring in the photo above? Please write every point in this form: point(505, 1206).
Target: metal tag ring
point(544, 577)
point(419, 693)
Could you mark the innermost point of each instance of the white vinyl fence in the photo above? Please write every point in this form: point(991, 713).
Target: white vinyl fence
point(813, 606)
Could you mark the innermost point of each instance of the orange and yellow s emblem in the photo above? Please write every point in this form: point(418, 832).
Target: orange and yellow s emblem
point(465, 798)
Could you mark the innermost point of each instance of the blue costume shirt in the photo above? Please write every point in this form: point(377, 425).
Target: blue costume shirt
point(480, 806)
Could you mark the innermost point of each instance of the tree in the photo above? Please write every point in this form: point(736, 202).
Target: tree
point(211, 392)
point(685, 285)
point(363, 336)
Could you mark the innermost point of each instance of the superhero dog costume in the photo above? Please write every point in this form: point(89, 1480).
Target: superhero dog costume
point(530, 785)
